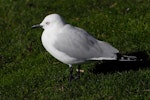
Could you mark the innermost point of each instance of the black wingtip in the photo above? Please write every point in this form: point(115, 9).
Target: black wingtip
point(134, 56)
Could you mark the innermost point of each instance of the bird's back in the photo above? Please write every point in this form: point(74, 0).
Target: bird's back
point(77, 43)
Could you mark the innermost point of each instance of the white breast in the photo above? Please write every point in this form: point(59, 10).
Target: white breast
point(48, 41)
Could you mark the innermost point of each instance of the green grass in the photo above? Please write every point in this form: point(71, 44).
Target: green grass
point(28, 72)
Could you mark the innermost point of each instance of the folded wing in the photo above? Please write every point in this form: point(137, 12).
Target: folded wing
point(77, 43)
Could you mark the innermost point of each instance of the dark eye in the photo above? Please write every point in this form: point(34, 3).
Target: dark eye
point(47, 23)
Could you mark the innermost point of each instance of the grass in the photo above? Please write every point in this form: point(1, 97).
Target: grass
point(27, 71)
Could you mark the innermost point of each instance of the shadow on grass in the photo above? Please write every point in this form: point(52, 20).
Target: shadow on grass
point(119, 66)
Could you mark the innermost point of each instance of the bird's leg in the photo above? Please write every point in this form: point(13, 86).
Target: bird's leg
point(71, 71)
point(78, 72)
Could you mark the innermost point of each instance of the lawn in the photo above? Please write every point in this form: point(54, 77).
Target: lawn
point(28, 72)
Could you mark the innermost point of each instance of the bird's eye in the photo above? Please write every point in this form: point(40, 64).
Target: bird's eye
point(47, 23)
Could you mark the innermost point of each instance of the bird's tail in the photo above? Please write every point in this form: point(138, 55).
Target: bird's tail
point(128, 58)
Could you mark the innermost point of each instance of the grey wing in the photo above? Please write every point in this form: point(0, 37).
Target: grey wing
point(77, 43)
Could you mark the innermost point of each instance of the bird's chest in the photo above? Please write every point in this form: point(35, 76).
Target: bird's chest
point(48, 42)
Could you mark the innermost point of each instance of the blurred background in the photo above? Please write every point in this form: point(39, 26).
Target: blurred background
point(27, 71)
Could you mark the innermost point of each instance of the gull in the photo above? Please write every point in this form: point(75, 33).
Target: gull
point(72, 45)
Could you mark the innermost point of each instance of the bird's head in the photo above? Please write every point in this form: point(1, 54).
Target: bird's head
point(50, 21)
